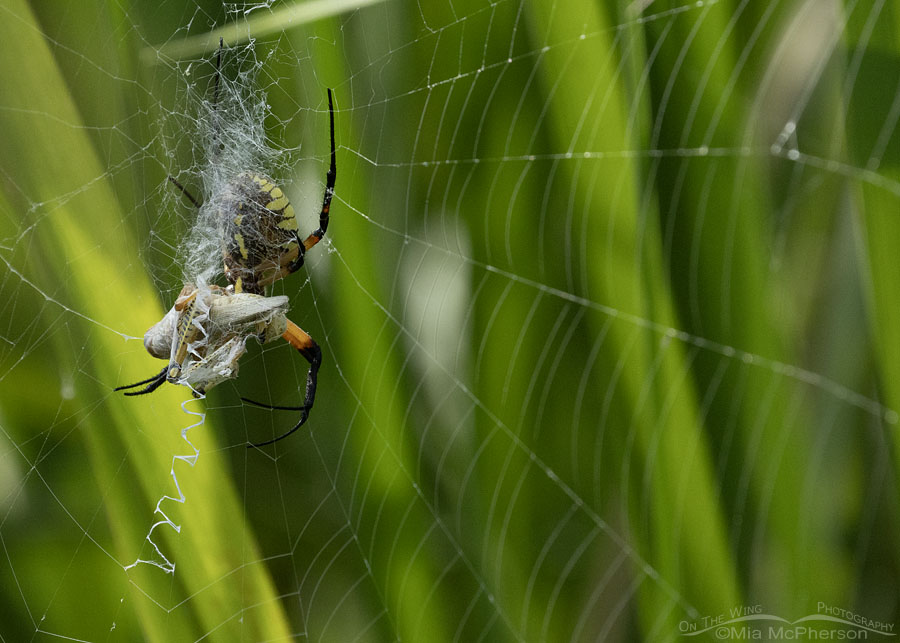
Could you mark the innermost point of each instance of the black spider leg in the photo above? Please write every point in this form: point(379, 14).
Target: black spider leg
point(184, 191)
point(330, 179)
point(172, 179)
point(313, 354)
point(216, 124)
point(153, 383)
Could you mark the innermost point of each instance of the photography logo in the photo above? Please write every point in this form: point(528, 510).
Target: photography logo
point(751, 623)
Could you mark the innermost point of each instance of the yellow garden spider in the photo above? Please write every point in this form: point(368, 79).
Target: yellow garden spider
point(204, 334)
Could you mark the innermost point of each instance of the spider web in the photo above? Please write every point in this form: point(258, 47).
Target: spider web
point(606, 304)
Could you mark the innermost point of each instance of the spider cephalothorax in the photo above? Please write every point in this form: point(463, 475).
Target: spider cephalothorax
point(205, 332)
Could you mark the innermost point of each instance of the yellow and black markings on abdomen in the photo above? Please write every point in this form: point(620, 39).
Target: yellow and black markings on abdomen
point(260, 232)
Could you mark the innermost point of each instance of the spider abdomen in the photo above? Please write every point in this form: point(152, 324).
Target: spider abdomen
point(260, 232)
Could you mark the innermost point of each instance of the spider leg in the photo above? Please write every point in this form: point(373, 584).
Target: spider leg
point(216, 125)
point(174, 181)
point(184, 191)
point(152, 383)
point(330, 178)
point(297, 338)
point(218, 72)
point(273, 407)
